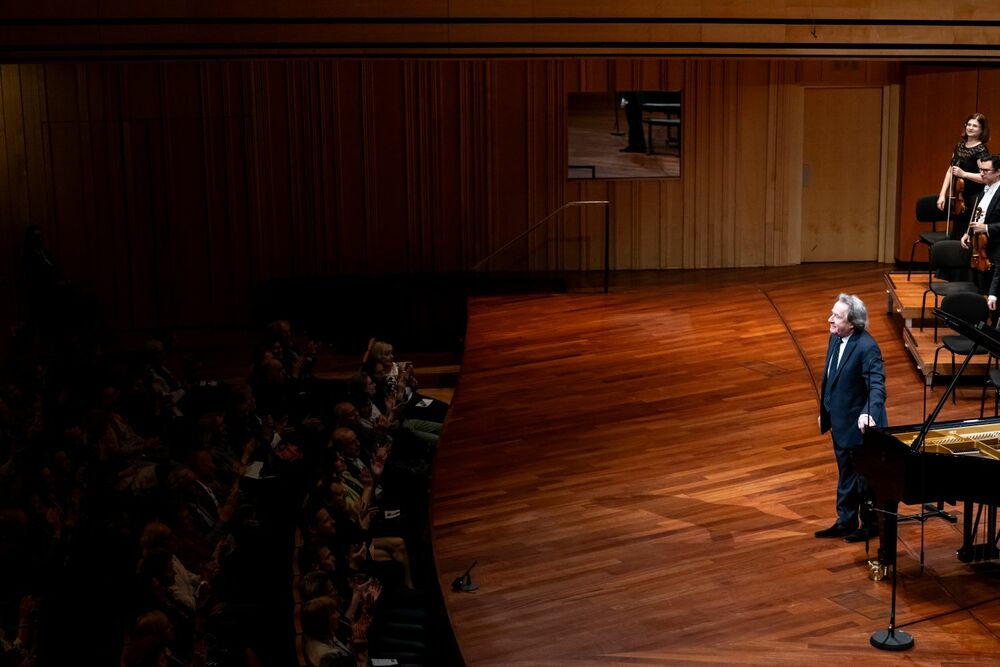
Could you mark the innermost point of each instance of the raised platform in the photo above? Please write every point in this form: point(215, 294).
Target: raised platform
point(922, 347)
point(904, 295)
point(904, 299)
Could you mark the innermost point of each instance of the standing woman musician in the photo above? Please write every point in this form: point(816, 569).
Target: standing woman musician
point(964, 157)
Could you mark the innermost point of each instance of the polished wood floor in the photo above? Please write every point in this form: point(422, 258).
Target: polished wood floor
point(595, 149)
point(639, 476)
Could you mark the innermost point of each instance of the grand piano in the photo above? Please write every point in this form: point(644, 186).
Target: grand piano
point(951, 462)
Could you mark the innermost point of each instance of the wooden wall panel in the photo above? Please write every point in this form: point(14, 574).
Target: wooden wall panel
point(275, 114)
point(350, 181)
point(11, 234)
point(36, 141)
point(444, 211)
point(188, 184)
point(988, 99)
point(146, 251)
point(543, 119)
point(711, 126)
point(889, 172)
point(88, 93)
point(747, 199)
point(783, 175)
point(508, 152)
point(936, 103)
point(472, 159)
point(386, 149)
point(15, 150)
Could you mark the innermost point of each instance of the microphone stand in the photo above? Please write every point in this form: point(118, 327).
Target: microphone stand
point(464, 582)
point(892, 639)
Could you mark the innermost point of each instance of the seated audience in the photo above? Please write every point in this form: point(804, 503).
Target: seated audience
point(142, 526)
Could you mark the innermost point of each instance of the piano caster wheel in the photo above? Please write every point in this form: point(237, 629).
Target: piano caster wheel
point(877, 571)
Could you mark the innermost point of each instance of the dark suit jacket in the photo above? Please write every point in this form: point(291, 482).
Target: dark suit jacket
point(992, 219)
point(857, 387)
point(991, 216)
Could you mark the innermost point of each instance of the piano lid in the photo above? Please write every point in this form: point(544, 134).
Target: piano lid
point(983, 336)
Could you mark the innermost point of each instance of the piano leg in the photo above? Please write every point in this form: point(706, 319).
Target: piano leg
point(887, 531)
point(965, 552)
point(991, 531)
point(970, 551)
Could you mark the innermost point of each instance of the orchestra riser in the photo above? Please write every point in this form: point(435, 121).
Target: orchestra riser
point(923, 348)
point(906, 295)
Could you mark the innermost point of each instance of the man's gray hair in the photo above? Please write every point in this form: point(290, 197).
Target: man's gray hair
point(857, 314)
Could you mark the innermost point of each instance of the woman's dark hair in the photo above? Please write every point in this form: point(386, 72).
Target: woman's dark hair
point(984, 135)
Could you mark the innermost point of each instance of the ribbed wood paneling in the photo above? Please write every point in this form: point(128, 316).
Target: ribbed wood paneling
point(173, 189)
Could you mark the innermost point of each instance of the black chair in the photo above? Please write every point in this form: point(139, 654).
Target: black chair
point(968, 306)
point(992, 380)
point(927, 211)
point(947, 255)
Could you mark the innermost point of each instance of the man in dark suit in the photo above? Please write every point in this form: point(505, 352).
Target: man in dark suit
point(987, 215)
point(632, 102)
point(853, 398)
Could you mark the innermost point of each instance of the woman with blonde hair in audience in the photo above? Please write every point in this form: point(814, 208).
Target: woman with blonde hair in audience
point(388, 409)
point(320, 620)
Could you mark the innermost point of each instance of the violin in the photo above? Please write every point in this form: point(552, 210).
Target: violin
point(978, 240)
point(957, 197)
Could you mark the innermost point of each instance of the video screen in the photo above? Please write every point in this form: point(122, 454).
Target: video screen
point(626, 134)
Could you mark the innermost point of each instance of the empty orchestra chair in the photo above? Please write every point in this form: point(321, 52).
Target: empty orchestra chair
point(947, 255)
point(928, 212)
point(968, 306)
point(992, 380)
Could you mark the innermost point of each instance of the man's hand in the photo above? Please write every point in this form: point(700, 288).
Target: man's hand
point(991, 301)
point(864, 421)
point(965, 241)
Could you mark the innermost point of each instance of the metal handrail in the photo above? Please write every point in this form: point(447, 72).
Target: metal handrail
point(607, 234)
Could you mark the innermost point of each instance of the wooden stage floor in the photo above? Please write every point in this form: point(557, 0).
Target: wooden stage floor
point(639, 476)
